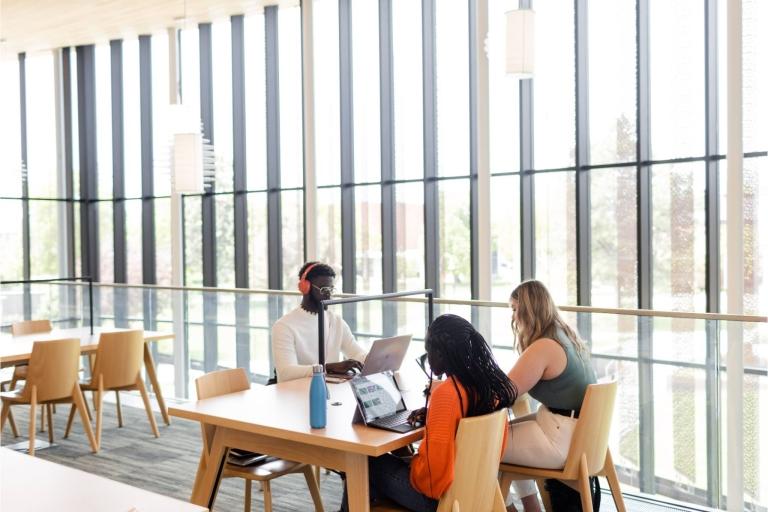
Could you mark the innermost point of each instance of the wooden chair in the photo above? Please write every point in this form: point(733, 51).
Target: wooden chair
point(475, 487)
point(119, 358)
point(223, 382)
point(51, 378)
point(588, 454)
point(20, 370)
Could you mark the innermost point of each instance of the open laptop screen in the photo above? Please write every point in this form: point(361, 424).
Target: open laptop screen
point(377, 395)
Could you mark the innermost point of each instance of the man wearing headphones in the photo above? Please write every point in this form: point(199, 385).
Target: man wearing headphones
point(295, 336)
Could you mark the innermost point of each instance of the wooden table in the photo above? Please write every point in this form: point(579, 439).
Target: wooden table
point(275, 420)
point(18, 349)
point(36, 485)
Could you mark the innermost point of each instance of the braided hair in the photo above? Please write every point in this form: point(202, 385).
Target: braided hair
point(467, 357)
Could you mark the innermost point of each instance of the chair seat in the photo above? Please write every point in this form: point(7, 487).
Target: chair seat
point(267, 471)
point(525, 472)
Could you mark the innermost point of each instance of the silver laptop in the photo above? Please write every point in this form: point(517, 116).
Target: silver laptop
point(380, 403)
point(386, 355)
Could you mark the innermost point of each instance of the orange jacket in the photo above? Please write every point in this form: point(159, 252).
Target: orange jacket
point(432, 467)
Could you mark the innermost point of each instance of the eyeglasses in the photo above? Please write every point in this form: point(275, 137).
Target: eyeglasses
point(325, 290)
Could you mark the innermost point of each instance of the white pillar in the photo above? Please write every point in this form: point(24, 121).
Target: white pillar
point(483, 157)
point(180, 356)
point(308, 80)
point(735, 256)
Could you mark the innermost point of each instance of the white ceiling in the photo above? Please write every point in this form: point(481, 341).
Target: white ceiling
point(34, 25)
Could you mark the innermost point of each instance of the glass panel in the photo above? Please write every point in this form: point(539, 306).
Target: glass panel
point(327, 124)
point(554, 104)
point(612, 81)
point(329, 230)
point(613, 335)
point(131, 119)
point(679, 339)
point(680, 440)
point(614, 237)
point(104, 124)
point(221, 47)
point(555, 217)
point(133, 241)
point(408, 89)
point(11, 260)
point(755, 235)
point(225, 241)
point(505, 236)
point(368, 239)
point(75, 121)
point(677, 78)
point(755, 74)
point(161, 129)
point(454, 236)
point(255, 102)
point(504, 93)
point(293, 236)
point(678, 240)
point(193, 241)
point(163, 241)
point(624, 440)
point(365, 87)
point(10, 134)
point(43, 229)
point(409, 244)
point(257, 240)
point(452, 84)
point(291, 112)
point(41, 126)
point(106, 242)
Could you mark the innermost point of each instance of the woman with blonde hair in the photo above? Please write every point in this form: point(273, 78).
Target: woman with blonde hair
point(553, 368)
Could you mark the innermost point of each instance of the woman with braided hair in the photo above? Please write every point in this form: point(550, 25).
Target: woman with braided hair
point(475, 385)
point(554, 368)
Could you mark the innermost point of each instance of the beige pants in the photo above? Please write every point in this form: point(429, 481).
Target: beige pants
point(540, 440)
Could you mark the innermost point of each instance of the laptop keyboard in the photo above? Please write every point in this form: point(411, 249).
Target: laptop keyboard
point(394, 420)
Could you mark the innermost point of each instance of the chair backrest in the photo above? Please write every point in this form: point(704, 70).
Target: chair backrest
point(479, 442)
point(221, 382)
point(31, 327)
point(590, 437)
point(53, 368)
point(119, 358)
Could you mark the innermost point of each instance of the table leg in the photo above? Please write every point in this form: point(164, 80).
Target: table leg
point(149, 365)
point(357, 482)
point(207, 485)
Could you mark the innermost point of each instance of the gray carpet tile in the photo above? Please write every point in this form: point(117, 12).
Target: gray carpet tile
point(167, 465)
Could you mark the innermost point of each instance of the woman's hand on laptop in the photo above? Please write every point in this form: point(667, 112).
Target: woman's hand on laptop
point(418, 417)
point(346, 367)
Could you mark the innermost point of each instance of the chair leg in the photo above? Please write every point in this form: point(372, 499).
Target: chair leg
point(316, 471)
point(42, 418)
point(544, 493)
point(7, 414)
point(247, 502)
point(70, 419)
point(49, 411)
point(613, 482)
point(119, 409)
point(314, 489)
point(145, 398)
point(4, 415)
point(32, 419)
point(584, 489)
point(79, 400)
point(267, 496)
point(99, 395)
point(505, 482)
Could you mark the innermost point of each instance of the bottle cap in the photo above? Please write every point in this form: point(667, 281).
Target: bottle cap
point(318, 368)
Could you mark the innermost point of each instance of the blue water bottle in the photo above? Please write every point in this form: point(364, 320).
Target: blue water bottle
point(317, 398)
